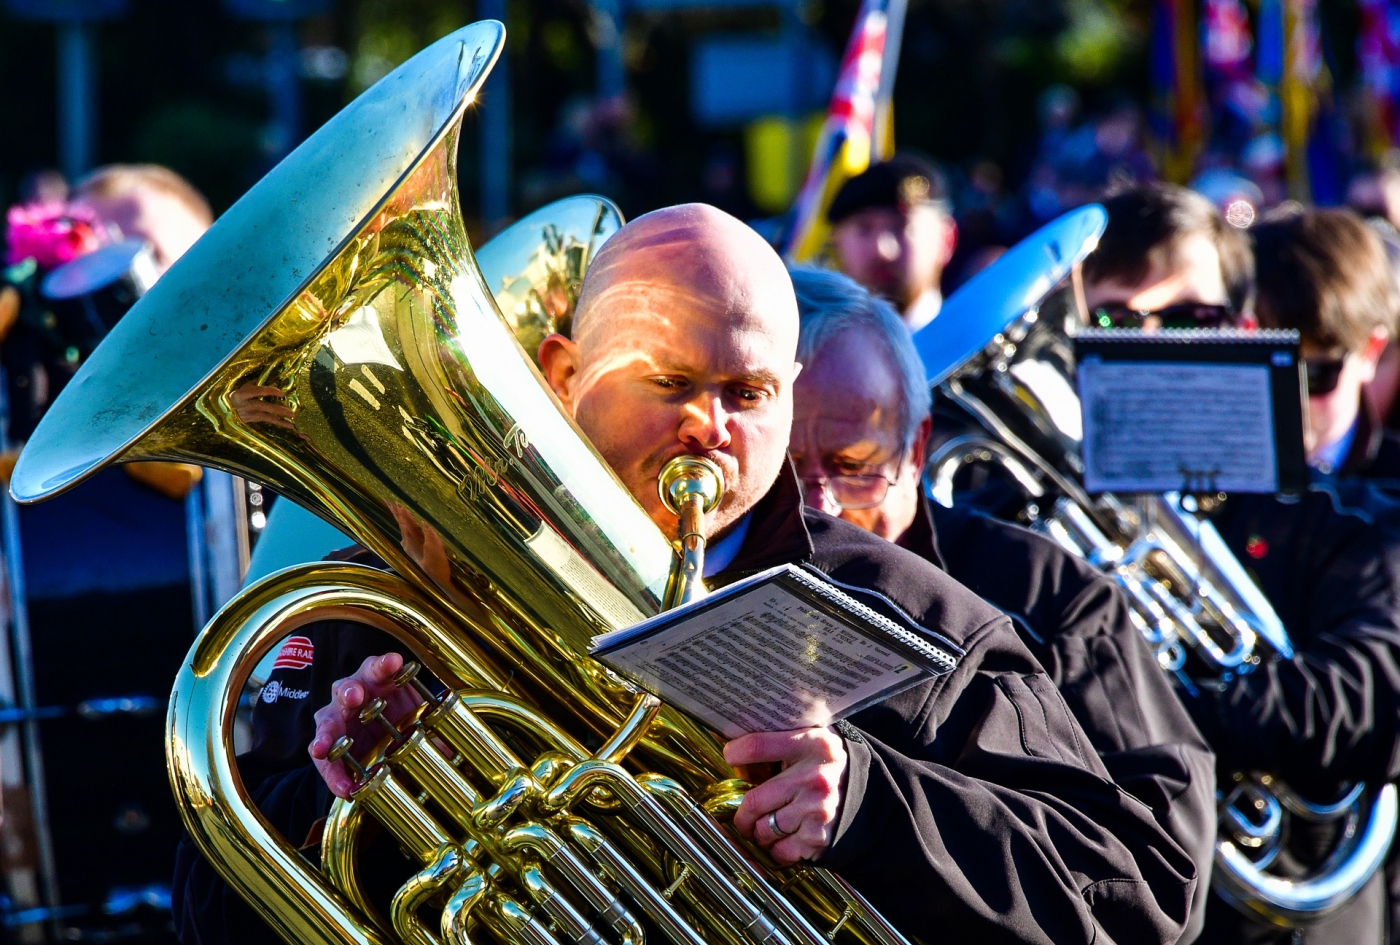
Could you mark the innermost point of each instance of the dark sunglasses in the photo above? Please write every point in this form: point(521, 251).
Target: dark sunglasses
point(1323, 374)
point(1181, 315)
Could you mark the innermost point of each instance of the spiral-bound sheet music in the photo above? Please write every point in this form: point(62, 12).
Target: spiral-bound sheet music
point(780, 650)
point(1191, 411)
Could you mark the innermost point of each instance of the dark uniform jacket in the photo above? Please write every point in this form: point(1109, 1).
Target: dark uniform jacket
point(1375, 455)
point(1375, 449)
point(1329, 562)
point(974, 808)
point(1075, 621)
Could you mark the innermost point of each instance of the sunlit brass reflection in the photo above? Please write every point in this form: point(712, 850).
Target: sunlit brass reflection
point(541, 799)
point(539, 295)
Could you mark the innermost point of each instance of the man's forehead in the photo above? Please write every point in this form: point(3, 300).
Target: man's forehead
point(732, 345)
point(659, 315)
point(1186, 271)
point(860, 429)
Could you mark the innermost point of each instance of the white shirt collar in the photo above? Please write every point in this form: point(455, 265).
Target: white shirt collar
point(721, 554)
point(924, 310)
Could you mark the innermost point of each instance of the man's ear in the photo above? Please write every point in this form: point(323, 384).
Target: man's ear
point(1375, 347)
point(950, 238)
point(918, 453)
point(559, 363)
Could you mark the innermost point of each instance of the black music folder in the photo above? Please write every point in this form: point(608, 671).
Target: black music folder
point(781, 650)
point(1192, 410)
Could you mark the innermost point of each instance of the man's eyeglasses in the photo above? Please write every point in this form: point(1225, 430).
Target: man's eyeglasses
point(852, 492)
point(1323, 374)
point(1181, 315)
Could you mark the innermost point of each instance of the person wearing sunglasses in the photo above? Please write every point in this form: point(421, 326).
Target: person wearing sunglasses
point(1324, 273)
point(860, 424)
point(1328, 560)
point(1167, 260)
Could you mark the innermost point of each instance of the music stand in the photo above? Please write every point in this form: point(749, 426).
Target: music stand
point(1192, 410)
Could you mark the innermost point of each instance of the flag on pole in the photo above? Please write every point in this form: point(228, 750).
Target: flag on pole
point(1378, 54)
point(883, 136)
point(1308, 117)
point(1174, 66)
point(847, 139)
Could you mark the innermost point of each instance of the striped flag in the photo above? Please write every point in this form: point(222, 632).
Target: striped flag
point(1378, 54)
point(1174, 69)
point(847, 141)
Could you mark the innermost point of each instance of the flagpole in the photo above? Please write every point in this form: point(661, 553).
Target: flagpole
point(845, 144)
point(882, 140)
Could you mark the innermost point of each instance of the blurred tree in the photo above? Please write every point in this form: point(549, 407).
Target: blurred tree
point(204, 142)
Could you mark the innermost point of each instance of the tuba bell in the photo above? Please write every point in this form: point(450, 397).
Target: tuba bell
point(332, 338)
point(1000, 355)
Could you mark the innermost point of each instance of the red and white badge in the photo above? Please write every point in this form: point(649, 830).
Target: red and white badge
point(296, 654)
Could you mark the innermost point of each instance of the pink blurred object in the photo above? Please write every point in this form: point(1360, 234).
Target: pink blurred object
point(49, 233)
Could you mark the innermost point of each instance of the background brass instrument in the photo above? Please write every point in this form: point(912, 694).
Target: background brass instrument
point(1000, 354)
point(332, 338)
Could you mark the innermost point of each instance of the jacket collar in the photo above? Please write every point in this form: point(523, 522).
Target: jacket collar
point(777, 533)
point(921, 537)
point(1366, 443)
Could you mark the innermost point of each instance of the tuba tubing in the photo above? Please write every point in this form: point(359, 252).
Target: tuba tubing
point(297, 901)
point(333, 338)
point(1292, 903)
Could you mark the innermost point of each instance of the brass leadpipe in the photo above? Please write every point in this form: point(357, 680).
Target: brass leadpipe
point(691, 487)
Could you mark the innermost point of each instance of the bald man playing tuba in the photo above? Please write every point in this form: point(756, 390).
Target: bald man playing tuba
point(969, 808)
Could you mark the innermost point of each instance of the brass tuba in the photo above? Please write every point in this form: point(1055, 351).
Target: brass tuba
point(332, 338)
point(1000, 354)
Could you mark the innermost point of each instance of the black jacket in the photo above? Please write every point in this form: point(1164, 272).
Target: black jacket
point(973, 805)
point(1076, 622)
point(1375, 455)
point(1375, 449)
point(1329, 562)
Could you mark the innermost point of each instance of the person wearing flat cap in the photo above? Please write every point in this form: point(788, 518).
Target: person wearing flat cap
point(893, 232)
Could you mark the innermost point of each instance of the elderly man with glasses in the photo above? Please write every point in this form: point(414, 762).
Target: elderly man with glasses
point(860, 422)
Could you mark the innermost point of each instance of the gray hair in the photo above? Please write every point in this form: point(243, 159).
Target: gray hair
point(830, 304)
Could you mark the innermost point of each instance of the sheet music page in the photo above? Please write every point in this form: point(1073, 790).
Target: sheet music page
point(765, 661)
point(1154, 426)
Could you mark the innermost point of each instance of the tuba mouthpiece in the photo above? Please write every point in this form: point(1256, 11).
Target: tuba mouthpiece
point(690, 486)
point(685, 478)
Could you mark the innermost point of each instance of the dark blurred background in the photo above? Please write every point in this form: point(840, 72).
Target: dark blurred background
point(716, 101)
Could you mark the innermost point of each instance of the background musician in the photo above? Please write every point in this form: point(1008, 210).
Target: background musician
point(860, 424)
point(1325, 274)
point(1167, 260)
point(964, 806)
point(893, 232)
point(1329, 562)
point(149, 202)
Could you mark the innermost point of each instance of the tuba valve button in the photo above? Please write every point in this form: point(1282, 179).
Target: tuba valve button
point(340, 751)
point(374, 712)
